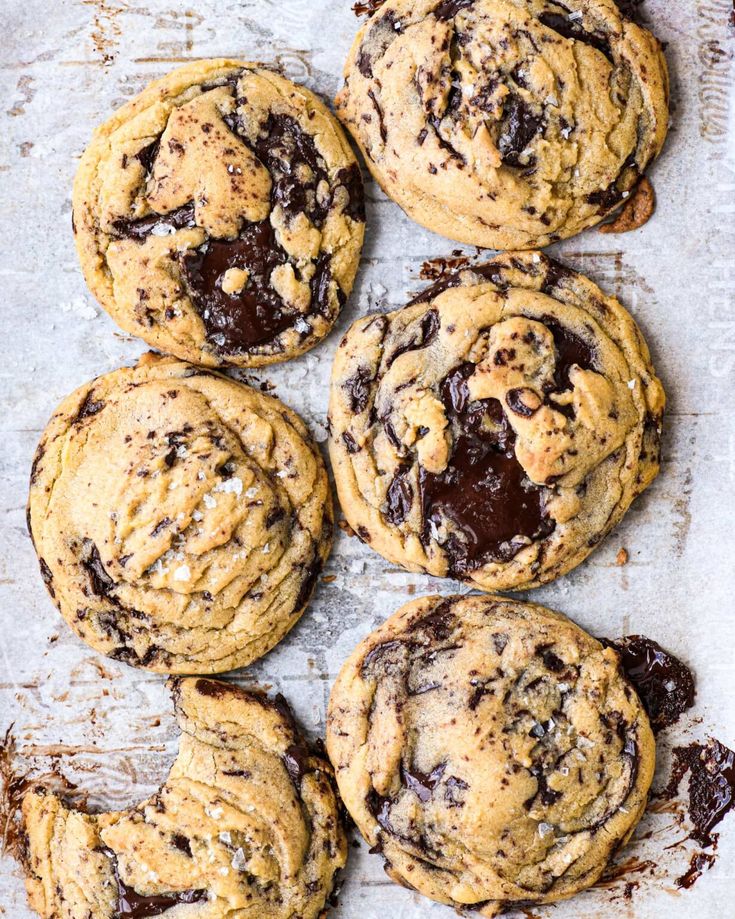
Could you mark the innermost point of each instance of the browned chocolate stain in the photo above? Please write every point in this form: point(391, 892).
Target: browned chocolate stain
point(435, 268)
point(105, 28)
point(14, 784)
point(367, 8)
point(26, 91)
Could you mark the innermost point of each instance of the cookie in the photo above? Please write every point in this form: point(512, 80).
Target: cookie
point(219, 215)
point(496, 428)
point(180, 518)
point(505, 125)
point(247, 823)
point(490, 750)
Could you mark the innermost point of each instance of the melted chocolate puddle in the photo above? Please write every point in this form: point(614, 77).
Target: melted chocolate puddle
point(664, 683)
point(484, 490)
point(257, 314)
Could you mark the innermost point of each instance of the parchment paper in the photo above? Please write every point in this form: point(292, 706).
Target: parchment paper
point(64, 66)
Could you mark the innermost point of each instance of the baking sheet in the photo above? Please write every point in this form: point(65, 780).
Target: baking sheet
point(64, 66)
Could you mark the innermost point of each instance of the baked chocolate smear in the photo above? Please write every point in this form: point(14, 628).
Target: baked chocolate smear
point(239, 321)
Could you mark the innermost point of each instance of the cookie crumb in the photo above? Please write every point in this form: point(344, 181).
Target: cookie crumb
point(622, 557)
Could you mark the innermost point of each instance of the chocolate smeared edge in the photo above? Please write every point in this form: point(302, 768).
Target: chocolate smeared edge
point(710, 788)
point(14, 785)
point(664, 683)
point(134, 905)
point(453, 278)
point(366, 8)
point(256, 315)
point(484, 491)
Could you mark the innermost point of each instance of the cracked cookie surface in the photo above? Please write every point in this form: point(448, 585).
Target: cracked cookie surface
point(490, 750)
point(505, 123)
point(219, 215)
point(496, 428)
point(246, 824)
point(180, 518)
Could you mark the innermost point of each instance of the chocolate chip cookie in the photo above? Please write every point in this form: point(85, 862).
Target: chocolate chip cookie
point(490, 750)
point(506, 125)
point(219, 216)
point(247, 823)
point(180, 518)
point(496, 428)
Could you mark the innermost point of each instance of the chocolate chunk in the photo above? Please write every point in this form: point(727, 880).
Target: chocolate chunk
point(282, 146)
point(422, 784)
point(90, 406)
point(134, 905)
point(379, 112)
point(367, 8)
point(141, 228)
point(519, 127)
point(101, 582)
point(146, 155)
point(421, 335)
point(484, 491)
point(555, 272)
point(313, 570)
point(436, 626)
point(296, 760)
point(399, 497)
point(320, 286)
point(453, 788)
point(181, 843)
point(48, 578)
point(571, 350)
point(573, 30)
point(664, 683)
point(217, 689)
point(607, 198)
point(350, 443)
point(350, 178)
point(358, 387)
point(448, 9)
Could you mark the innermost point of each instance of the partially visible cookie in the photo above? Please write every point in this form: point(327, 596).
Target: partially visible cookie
point(490, 750)
point(246, 824)
point(505, 124)
point(180, 518)
point(219, 215)
point(496, 428)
